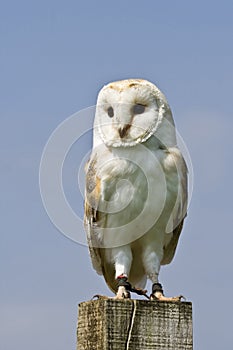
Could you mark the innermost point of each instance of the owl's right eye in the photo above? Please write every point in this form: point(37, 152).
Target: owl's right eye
point(138, 108)
point(110, 112)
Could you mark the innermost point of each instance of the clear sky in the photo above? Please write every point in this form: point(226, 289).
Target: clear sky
point(55, 56)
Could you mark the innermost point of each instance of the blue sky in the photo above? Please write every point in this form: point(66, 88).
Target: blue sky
point(55, 56)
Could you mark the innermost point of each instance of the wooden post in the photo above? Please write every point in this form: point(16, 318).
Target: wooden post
point(108, 324)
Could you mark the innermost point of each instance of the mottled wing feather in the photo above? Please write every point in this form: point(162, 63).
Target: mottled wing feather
point(169, 250)
point(179, 213)
point(92, 216)
point(93, 221)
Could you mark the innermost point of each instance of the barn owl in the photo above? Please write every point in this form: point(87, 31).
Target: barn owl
point(136, 188)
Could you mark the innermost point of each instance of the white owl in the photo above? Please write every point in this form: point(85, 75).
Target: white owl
point(136, 188)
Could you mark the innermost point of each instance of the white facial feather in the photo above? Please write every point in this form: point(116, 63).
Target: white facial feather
point(129, 112)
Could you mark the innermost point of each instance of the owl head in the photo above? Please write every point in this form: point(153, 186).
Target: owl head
point(129, 112)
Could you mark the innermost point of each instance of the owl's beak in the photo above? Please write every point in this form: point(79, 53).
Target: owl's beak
point(123, 131)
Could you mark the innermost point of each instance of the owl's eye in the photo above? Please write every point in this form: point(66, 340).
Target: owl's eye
point(138, 109)
point(110, 112)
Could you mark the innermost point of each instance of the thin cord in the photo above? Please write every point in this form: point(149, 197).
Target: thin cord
point(131, 324)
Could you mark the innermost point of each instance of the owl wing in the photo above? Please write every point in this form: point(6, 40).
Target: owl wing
point(180, 209)
point(92, 216)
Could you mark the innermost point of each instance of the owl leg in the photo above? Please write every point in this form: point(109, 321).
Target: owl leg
point(122, 257)
point(152, 267)
point(123, 291)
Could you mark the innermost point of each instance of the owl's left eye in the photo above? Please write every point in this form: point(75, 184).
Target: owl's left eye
point(138, 109)
point(110, 112)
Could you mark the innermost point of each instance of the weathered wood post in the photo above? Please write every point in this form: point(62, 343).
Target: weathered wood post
point(134, 325)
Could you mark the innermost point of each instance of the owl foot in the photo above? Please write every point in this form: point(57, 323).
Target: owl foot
point(101, 297)
point(157, 294)
point(124, 289)
point(122, 293)
point(160, 297)
point(119, 296)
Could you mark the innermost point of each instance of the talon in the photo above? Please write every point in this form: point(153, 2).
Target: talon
point(99, 296)
point(122, 293)
point(124, 287)
point(157, 294)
